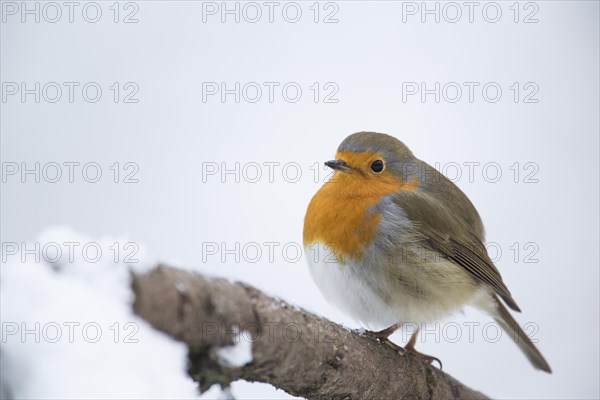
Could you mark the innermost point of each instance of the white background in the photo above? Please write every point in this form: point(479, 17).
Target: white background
point(373, 48)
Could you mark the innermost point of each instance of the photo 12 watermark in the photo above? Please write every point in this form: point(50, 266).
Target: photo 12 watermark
point(69, 172)
point(70, 252)
point(470, 92)
point(252, 12)
point(269, 92)
point(69, 332)
point(71, 12)
point(70, 92)
point(453, 12)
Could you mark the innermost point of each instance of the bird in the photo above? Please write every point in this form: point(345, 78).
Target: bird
point(390, 240)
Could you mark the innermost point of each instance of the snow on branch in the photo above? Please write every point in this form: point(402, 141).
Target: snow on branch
point(234, 331)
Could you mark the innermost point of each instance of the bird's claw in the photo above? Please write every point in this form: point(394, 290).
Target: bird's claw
point(423, 357)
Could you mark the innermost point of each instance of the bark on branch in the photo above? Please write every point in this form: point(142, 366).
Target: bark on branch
point(292, 349)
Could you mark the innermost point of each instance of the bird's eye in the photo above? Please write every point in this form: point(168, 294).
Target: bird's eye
point(377, 166)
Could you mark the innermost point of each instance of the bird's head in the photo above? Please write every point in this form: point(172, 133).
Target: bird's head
point(372, 162)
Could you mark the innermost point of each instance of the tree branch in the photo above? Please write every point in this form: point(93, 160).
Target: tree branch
point(292, 349)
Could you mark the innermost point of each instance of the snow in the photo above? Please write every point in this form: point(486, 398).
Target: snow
point(68, 330)
point(239, 354)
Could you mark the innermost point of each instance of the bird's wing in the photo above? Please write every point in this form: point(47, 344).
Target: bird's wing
point(451, 235)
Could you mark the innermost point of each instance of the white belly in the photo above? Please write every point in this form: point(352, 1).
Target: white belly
point(344, 285)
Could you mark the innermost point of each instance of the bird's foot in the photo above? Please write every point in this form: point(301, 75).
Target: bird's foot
point(383, 337)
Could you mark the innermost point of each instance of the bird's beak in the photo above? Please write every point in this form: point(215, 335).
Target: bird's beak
point(339, 165)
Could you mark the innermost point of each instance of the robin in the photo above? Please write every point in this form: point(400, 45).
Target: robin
point(389, 240)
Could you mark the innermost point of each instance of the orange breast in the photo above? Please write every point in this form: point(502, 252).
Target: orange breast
point(338, 214)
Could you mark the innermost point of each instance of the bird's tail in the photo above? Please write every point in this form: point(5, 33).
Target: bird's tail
point(508, 323)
